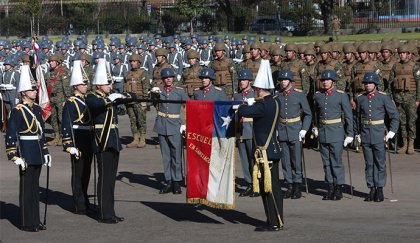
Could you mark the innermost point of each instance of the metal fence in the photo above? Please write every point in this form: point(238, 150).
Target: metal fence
point(125, 17)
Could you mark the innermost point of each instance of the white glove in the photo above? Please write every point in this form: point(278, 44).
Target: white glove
point(389, 136)
point(315, 132)
point(74, 151)
point(250, 101)
point(20, 162)
point(302, 134)
point(358, 138)
point(115, 96)
point(47, 160)
point(182, 129)
point(347, 141)
point(155, 90)
point(235, 107)
point(178, 77)
point(150, 80)
point(17, 101)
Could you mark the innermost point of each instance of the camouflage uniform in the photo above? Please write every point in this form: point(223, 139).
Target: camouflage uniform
point(299, 70)
point(224, 69)
point(191, 79)
point(405, 76)
point(330, 64)
point(137, 82)
point(59, 90)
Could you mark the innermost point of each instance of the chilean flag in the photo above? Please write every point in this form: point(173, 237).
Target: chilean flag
point(211, 153)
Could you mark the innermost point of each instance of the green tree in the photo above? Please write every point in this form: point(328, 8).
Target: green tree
point(192, 9)
point(31, 8)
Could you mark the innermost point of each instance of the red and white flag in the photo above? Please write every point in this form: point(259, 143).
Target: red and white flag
point(211, 153)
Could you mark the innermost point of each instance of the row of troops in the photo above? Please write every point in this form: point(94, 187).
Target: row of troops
point(136, 66)
point(89, 128)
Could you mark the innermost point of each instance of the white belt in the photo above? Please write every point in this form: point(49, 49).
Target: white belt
point(35, 137)
point(81, 127)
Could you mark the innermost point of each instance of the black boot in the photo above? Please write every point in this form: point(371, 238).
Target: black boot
point(338, 192)
point(330, 193)
point(166, 189)
point(371, 196)
point(248, 191)
point(289, 191)
point(297, 193)
point(379, 197)
point(176, 188)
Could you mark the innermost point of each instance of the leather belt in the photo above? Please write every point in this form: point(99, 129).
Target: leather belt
point(247, 119)
point(78, 127)
point(372, 122)
point(167, 115)
point(289, 120)
point(102, 125)
point(34, 137)
point(330, 121)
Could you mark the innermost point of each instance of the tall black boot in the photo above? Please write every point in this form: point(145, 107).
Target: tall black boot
point(297, 193)
point(289, 191)
point(330, 193)
point(338, 192)
point(371, 196)
point(379, 197)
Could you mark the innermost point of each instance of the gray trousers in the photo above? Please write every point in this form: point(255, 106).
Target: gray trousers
point(331, 154)
point(375, 166)
point(247, 158)
point(171, 150)
point(292, 161)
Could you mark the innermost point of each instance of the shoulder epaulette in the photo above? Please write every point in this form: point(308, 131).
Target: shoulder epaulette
point(298, 90)
point(18, 106)
point(340, 91)
point(196, 89)
point(360, 94)
point(217, 88)
point(317, 92)
point(179, 88)
point(384, 93)
point(71, 99)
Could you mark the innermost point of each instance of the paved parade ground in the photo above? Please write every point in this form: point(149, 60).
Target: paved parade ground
point(151, 217)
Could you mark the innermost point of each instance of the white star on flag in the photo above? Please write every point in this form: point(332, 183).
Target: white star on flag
point(226, 121)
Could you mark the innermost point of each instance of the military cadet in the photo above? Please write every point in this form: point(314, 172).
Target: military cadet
point(256, 58)
point(310, 60)
point(405, 76)
point(58, 85)
point(265, 112)
point(190, 76)
point(317, 46)
point(205, 53)
point(224, 70)
point(77, 138)
point(169, 129)
point(327, 62)
point(298, 68)
point(107, 145)
point(244, 135)
point(333, 132)
point(175, 59)
point(276, 60)
point(373, 105)
point(25, 146)
point(161, 64)
point(348, 62)
point(386, 64)
point(138, 83)
point(9, 83)
point(118, 72)
point(362, 66)
point(208, 91)
point(292, 130)
point(146, 61)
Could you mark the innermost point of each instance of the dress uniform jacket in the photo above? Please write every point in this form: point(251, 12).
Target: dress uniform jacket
point(25, 136)
point(103, 112)
point(293, 105)
point(210, 93)
point(167, 125)
point(246, 123)
point(10, 94)
point(175, 59)
point(373, 107)
point(330, 106)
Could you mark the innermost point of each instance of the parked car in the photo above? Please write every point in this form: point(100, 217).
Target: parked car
point(273, 24)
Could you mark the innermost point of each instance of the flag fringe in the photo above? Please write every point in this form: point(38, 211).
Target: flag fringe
point(210, 204)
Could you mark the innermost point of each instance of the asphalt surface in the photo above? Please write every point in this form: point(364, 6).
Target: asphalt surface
point(151, 217)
